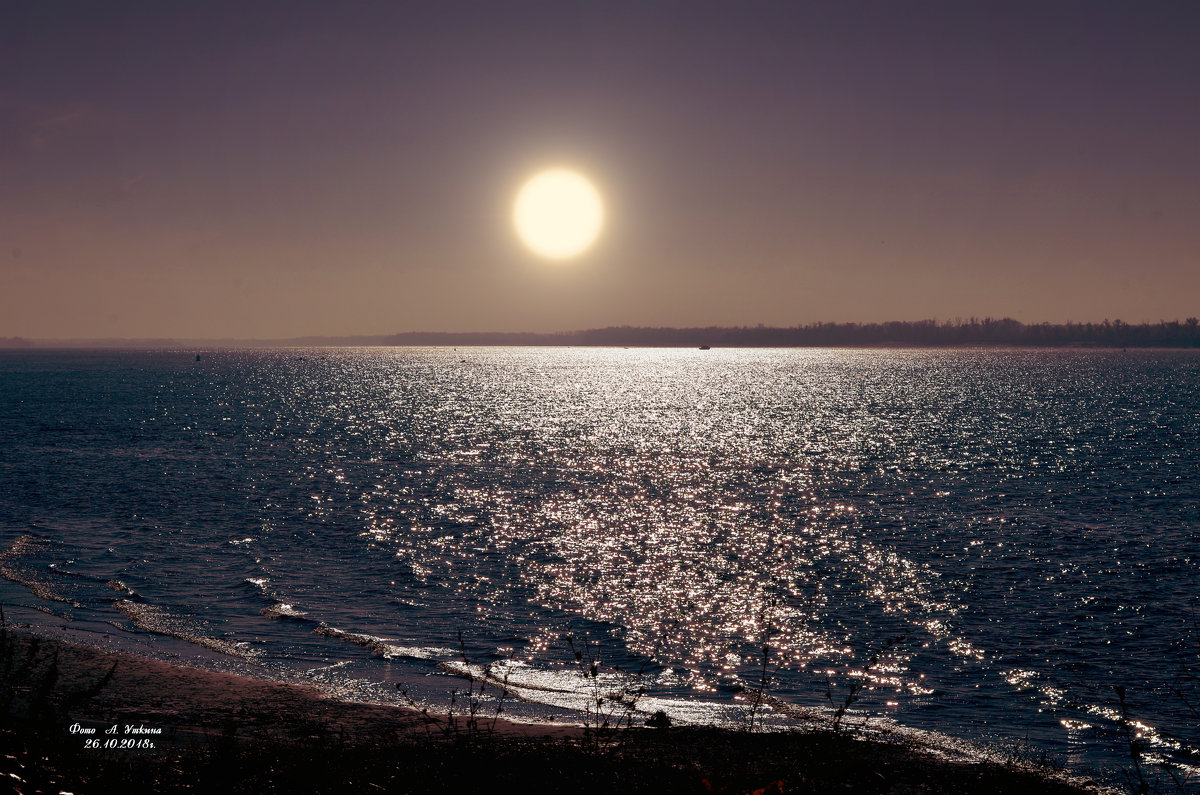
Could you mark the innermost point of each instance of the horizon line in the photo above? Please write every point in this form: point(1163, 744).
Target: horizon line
point(926, 332)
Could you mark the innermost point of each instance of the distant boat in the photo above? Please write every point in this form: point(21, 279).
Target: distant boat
point(197, 357)
point(704, 348)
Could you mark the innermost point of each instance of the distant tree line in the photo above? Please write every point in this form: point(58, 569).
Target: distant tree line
point(921, 333)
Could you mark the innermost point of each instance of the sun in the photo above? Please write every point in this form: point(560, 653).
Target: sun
point(558, 214)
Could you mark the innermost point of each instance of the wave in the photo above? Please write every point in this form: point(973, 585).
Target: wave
point(381, 647)
point(12, 569)
point(610, 696)
point(282, 610)
point(159, 621)
point(278, 608)
point(120, 587)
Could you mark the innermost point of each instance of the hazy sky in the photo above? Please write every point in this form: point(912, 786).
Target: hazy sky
point(254, 169)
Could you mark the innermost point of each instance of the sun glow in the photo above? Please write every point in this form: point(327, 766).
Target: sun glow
point(558, 214)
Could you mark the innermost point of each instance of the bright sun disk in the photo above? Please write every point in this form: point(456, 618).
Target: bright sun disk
point(558, 214)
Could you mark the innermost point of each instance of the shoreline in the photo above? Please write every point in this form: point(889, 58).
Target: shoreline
point(170, 726)
point(198, 701)
point(235, 346)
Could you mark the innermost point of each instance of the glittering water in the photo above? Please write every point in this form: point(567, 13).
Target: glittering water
point(981, 543)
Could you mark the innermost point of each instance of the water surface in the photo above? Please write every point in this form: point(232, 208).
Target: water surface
point(978, 542)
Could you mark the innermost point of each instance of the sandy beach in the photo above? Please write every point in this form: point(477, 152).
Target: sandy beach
point(157, 727)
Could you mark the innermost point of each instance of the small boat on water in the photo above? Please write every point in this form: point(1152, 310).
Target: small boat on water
point(704, 348)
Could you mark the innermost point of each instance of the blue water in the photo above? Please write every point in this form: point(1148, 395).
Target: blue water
point(986, 541)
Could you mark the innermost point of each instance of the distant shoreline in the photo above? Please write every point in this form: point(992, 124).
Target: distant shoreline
point(987, 332)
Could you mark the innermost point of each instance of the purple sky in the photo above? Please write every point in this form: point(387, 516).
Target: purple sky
point(208, 170)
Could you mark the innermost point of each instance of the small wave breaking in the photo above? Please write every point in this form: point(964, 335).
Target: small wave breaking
point(13, 568)
point(159, 621)
point(381, 647)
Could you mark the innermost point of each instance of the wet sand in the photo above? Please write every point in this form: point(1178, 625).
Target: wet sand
point(180, 729)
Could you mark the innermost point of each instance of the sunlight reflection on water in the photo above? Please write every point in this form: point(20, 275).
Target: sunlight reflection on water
point(986, 541)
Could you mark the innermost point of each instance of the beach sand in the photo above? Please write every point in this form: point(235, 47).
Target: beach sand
point(180, 729)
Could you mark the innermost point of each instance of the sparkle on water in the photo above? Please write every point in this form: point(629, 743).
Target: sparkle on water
point(987, 541)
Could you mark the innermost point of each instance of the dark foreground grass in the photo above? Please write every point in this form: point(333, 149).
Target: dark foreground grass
point(673, 761)
point(226, 734)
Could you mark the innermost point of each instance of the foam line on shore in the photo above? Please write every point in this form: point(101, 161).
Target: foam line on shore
point(381, 647)
point(282, 610)
point(11, 569)
point(159, 621)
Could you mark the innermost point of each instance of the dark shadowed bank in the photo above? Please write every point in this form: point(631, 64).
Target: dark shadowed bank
point(178, 729)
